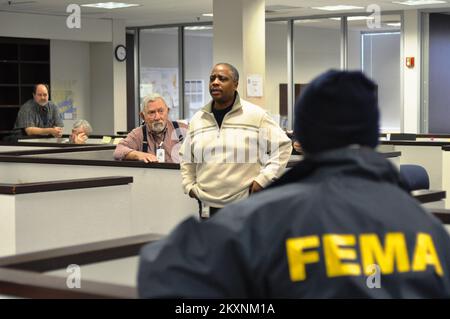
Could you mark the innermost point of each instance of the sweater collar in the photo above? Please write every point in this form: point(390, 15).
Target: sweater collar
point(236, 105)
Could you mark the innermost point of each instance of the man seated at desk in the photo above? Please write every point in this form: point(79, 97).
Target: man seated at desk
point(157, 140)
point(39, 116)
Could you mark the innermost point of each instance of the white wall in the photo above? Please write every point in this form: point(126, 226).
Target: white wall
point(84, 59)
point(411, 77)
point(70, 71)
point(23, 25)
point(102, 84)
point(276, 63)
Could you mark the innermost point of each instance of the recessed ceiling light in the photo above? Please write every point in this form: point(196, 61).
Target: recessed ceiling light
point(354, 18)
point(307, 21)
point(394, 24)
point(338, 7)
point(110, 5)
point(207, 14)
point(419, 2)
point(199, 27)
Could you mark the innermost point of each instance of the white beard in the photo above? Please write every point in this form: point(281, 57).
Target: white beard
point(158, 127)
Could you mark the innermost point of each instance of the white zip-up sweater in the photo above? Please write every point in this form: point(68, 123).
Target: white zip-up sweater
point(220, 164)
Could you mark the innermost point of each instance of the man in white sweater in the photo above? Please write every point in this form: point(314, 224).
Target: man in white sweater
point(233, 148)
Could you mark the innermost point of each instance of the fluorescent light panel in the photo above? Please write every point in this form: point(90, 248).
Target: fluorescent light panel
point(110, 5)
point(338, 8)
point(394, 24)
point(207, 14)
point(306, 21)
point(419, 2)
point(354, 18)
point(195, 28)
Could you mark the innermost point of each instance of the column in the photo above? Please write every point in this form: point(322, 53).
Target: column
point(239, 39)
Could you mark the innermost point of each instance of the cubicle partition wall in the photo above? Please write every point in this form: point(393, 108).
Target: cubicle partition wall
point(64, 140)
point(105, 269)
point(157, 203)
point(48, 214)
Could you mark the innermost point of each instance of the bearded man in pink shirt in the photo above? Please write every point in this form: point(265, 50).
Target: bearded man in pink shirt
point(157, 140)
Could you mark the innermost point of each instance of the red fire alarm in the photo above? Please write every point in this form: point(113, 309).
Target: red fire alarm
point(410, 61)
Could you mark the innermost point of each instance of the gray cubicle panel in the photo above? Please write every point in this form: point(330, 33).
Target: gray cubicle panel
point(92, 140)
point(107, 269)
point(54, 213)
point(158, 202)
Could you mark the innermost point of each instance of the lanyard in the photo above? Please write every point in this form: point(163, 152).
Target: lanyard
point(162, 141)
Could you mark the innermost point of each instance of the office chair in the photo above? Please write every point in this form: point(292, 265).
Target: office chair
point(414, 176)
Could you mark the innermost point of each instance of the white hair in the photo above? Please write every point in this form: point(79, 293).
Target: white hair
point(151, 98)
point(85, 124)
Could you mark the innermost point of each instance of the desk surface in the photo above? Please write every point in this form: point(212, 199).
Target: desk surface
point(51, 186)
point(428, 196)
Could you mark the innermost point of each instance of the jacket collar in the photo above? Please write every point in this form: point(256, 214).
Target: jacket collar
point(237, 105)
point(357, 161)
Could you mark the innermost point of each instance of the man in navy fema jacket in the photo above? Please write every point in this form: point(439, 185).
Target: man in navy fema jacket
point(338, 225)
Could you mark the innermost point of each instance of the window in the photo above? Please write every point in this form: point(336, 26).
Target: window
point(159, 70)
point(198, 50)
point(375, 49)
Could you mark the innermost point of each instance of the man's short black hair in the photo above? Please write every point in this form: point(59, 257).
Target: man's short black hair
point(46, 85)
point(233, 70)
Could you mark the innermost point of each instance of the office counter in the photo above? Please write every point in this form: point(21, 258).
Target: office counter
point(48, 214)
point(157, 199)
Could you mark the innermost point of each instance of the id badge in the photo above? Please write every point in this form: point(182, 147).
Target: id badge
point(205, 211)
point(160, 155)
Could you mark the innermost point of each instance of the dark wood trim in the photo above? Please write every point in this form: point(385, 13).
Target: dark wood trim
point(415, 143)
point(97, 136)
point(428, 196)
point(442, 214)
point(85, 148)
point(60, 145)
point(64, 161)
point(446, 148)
point(431, 135)
point(59, 258)
point(51, 186)
point(391, 154)
point(28, 284)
